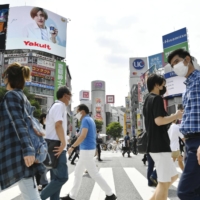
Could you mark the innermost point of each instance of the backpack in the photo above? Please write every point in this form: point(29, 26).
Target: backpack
point(35, 131)
point(142, 142)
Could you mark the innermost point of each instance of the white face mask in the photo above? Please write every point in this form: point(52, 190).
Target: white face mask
point(180, 69)
point(78, 116)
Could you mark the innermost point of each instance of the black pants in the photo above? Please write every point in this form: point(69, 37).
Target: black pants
point(126, 150)
point(75, 156)
point(71, 155)
point(99, 151)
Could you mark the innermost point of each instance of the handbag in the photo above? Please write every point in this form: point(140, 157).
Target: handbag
point(51, 160)
point(99, 141)
point(142, 142)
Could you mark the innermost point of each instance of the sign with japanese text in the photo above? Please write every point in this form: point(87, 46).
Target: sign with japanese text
point(41, 70)
point(60, 76)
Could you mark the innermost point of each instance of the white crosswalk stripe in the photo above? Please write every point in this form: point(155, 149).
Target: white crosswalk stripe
point(137, 179)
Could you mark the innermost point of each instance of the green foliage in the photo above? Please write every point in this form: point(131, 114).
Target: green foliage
point(30, 97)
point(99, 124)
point(114, 129)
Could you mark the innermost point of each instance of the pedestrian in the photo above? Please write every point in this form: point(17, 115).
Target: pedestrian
point(56, 129)
point(87, 142)
point(182, 64)
point(158, 143)
point(174, 135)
point(41, 179)
point(126, 149)
point(114, 146)
point(17, 157)
point(99, 142)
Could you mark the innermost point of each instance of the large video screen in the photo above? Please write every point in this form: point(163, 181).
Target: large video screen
point(36, 28)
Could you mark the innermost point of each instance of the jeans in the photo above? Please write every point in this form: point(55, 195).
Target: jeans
point(86, 161)
point(28, 191)
point(59, 177)
point(150, 171)
point(189, 185)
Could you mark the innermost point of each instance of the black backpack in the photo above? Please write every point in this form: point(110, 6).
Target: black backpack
point(142, 142)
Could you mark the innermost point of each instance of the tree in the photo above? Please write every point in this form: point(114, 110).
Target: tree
point(114, 129)
point(99, 124)
point(30, 97)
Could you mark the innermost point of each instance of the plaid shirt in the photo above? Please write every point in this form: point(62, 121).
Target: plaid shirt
point(13, 146)
point(191, 101)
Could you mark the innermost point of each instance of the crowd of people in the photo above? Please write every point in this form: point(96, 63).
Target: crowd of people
point(165, 142)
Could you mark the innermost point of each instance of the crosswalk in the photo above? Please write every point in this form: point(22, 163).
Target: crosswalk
point(137, 179)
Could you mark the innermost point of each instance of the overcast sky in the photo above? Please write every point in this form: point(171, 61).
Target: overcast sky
point(103, 34)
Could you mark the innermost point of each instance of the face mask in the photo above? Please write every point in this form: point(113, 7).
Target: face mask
point(180, 69)
point(163, 91)
point(78, 116)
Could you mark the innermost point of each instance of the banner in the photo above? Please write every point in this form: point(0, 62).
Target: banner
point(36, 28)
point(60, 76)
point(98, 109)
point(156, 60)
point(137, 66)
point(4, 11)
point(41, 70)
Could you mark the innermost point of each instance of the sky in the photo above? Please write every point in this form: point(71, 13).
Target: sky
point(103, 34)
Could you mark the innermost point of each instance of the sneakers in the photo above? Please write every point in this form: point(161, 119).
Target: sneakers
point(112, 197)
point(66, 198)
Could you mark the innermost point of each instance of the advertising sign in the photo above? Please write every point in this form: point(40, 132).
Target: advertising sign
point(60, 76)
point(42, 76)
point(39, 85)
point(175, 84)
point(45, 63)
point(137, 66)
point(170, 49)
point(84, 95)
point(4, 11)
point(156, 60)
point(98, 109)
point(36, 28)
point(140, 99)
point(110, 99)
point(41, 70)
point(174, 38)
point(23, 60)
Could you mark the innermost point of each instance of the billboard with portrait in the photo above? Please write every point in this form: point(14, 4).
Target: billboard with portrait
point(36, 28)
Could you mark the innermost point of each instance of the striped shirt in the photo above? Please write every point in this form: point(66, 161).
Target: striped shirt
point(191, 101)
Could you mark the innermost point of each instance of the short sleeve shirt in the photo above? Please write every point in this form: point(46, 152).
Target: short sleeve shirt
point(158, 139)
point(89, 143)
point(57, 112)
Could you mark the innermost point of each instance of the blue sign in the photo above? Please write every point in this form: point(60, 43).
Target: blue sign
point(170, 75)
point(138, 64)
point(174, 38)
point(156, 60)
point(39, 85)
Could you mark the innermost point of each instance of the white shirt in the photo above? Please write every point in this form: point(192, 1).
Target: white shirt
point(174, 133)
point(33, 31)
point(57, 112)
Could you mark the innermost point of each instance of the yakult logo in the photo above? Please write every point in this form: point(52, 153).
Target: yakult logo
point(35, 44)
point(138, 64)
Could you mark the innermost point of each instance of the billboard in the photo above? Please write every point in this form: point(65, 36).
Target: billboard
point(137, 66)
point(41, 70)
point(156, 60)
point(4, 11)
point(60, 76)
point(110, 98)
point(98, 109)
point(167, 51)
point(174, 84)
point(174, 38)
point(36, 28)
point(84, 95)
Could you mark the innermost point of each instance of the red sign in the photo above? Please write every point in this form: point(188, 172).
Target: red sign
point(42, 76)
point(110, 99)
point(35, 44)
point(86, 95)
point(41, 70)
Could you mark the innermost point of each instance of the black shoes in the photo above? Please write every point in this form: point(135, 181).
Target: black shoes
point(144, 161)
point(66, 198)
point(100, 160)
point(72, 163)
point(112, 197)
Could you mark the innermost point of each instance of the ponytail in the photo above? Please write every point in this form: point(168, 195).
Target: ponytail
point(26, 73)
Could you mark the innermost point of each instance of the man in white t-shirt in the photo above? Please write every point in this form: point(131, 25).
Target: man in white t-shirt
point(56, 129)
point(174, 135)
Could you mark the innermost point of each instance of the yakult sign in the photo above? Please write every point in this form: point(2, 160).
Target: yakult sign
point(36, 28)
point(137, 66)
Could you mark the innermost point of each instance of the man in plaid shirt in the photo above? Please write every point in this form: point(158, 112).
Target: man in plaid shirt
point(181, 62)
